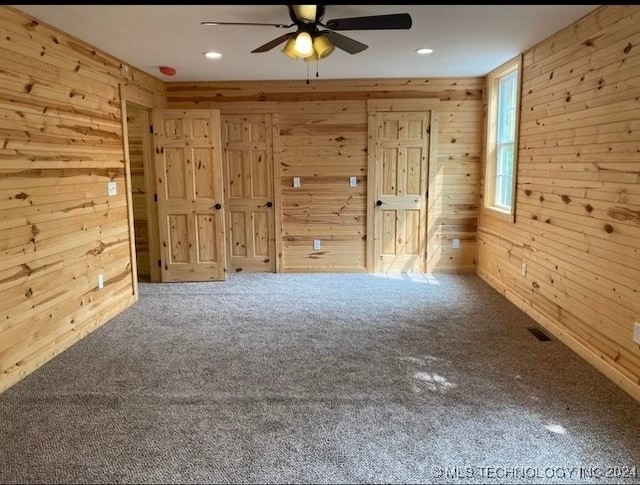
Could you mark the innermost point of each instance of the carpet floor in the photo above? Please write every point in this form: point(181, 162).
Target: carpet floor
point(319, 378)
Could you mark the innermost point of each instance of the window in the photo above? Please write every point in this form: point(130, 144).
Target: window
point(503, 89)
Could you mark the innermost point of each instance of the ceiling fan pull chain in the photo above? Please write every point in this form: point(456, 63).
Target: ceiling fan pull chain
point(307, 72)
point(317, 75)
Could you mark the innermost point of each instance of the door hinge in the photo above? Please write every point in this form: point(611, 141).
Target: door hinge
point(155, 197)
point(151, 129)
point(427, 194)
point(159, 263)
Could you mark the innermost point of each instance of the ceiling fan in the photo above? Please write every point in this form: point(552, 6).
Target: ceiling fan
point(315, 39)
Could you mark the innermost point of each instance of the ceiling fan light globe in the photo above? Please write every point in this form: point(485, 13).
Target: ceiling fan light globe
point(322, 46)
point(289, 49)
point(312, 57)
point(306, 12)
point(303, 45)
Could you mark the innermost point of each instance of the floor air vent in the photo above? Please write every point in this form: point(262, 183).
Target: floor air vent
point(539, 334)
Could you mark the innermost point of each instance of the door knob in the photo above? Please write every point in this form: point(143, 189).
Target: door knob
point(269, 204)
point(379, 203)
point(217, 206)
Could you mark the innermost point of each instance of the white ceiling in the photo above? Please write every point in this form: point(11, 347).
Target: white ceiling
point(467, 40)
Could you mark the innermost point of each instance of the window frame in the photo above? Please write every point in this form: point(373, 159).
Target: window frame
point(491, 141)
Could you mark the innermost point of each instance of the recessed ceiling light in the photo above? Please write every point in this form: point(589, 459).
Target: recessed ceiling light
point(424, 50)
point(212, 55)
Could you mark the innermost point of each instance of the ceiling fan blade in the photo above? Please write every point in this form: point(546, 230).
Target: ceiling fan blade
point(270, 45)
point(345, 43)
point(373, 22)
point(213, 22)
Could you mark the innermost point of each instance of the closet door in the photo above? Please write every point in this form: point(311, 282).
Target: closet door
point(188, 159)
point(248, 176)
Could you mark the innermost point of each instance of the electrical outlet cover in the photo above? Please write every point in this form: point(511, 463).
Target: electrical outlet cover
point(636, 332)
point(316, 244)
point(296, 182)
point(456, 244)
point(112, 188)
point(353, 181)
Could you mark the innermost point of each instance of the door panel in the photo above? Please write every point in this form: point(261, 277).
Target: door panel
point(205, 173)
point(238, 236)
point(174, 167)
point(178, 239)
point(188, 158)
point(248, 168)
point(401, 162)
point(261, 231)
point(207, 238)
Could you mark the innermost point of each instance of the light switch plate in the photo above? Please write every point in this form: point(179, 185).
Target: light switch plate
point(636, 332)
point(296, 182)
point(112, 188)
point(316, 244)
point(353, 181)
point(456, 244)
point(100, 281)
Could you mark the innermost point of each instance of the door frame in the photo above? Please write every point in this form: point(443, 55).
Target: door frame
point(149, 101)
point(148, 166)
point(375, 106)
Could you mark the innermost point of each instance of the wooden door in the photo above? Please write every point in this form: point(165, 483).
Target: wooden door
point(401, 164)
point(188, 158)
point(248, 176)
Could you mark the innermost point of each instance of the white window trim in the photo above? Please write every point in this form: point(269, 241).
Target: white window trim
point(488, 206)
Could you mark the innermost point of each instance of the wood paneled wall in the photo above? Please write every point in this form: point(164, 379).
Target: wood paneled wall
point(322, 138)
point(577, 222)
point(61, 134)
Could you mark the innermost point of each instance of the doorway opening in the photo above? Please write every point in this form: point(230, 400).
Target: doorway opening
point(141, 162)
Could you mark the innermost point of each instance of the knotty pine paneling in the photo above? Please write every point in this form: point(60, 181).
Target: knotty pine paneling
point(61, 135)
point(322, 139)
point(578, 193)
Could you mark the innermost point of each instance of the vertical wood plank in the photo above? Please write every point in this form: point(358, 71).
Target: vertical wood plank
point(277, 190)
point(372, 153)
